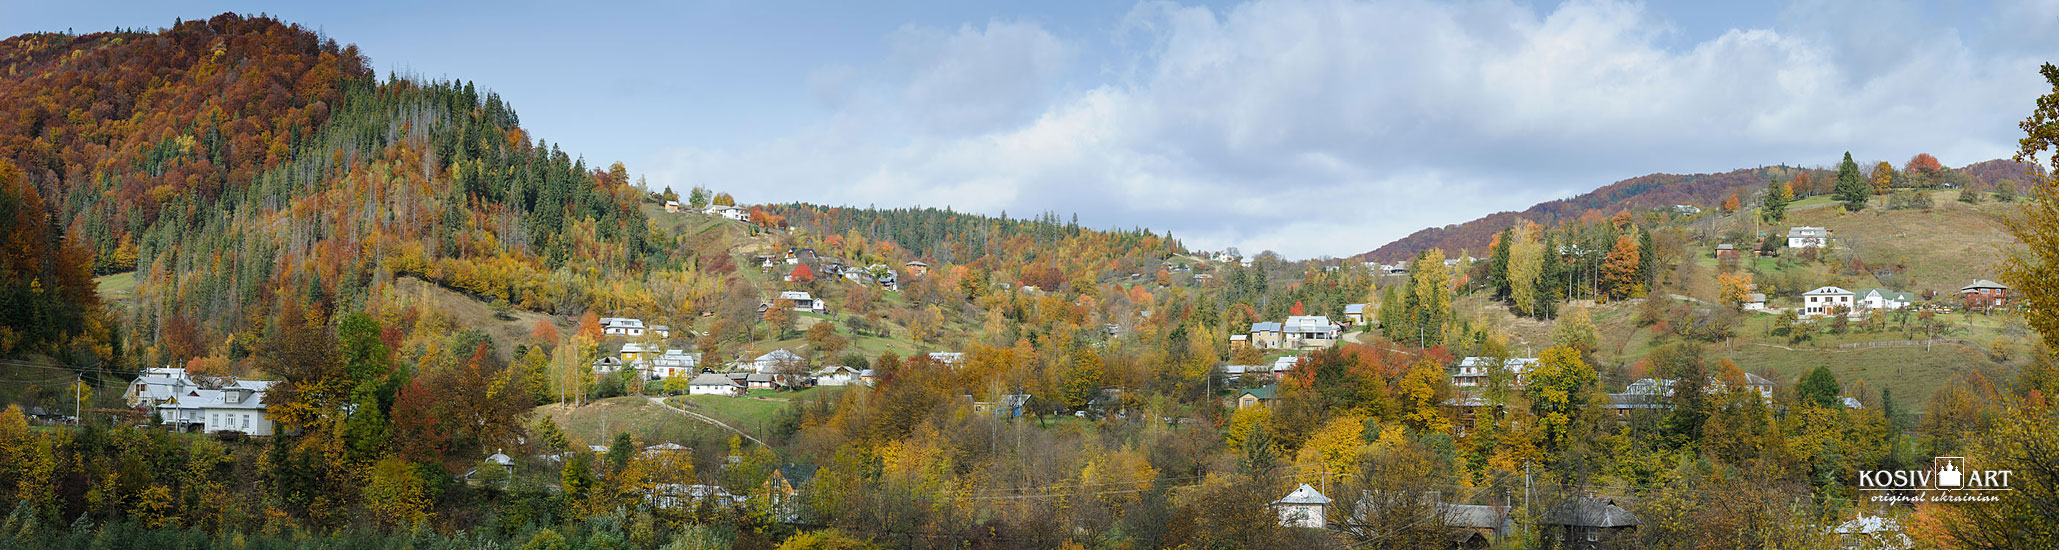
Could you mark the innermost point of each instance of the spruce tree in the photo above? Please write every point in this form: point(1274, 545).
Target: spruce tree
point(1851, 189)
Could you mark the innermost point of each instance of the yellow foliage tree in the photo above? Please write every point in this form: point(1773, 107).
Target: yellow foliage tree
point(1335, 448)
point(394, 494)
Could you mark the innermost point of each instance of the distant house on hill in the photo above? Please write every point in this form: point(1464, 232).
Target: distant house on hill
point(1590, 523)
point(776, 361)
point(802, 301)
point(1253, 397)
point(1881, 299)
point(1754, 302)
point(1302, 508)
point(1823, 301)
point(1726, 253)
point(916, 268)
point(622, 326)
point(1808, 237)
point(1984, 292)
point(836, 376)
point(1472, 372)
point(729, 212)
point(1355, 314)
point(713, 384)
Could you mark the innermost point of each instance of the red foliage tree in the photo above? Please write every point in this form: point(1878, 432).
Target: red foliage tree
point(801, 274)
point(1924, 164)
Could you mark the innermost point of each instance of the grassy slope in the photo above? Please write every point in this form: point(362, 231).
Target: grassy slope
point(507, 326)
point(118, 287)
point(1943, 248)
point(635, 416)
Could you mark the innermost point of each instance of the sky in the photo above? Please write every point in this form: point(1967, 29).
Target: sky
point(1308, 127)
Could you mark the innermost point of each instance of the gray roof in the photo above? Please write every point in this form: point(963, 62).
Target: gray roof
point(1474, 516)
point(711, 379)
point(1804, 231)
point(1591, 512)
point(1265, 327)
point(1303, 495)
point(1983, 283)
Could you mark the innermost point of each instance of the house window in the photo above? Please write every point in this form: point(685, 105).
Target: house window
point(1590, 536)
point(246, 421)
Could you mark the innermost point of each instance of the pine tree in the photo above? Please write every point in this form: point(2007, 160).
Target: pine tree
point(1851, 189)
point(1777, 196)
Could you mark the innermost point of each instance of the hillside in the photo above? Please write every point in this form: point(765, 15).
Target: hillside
point(1654, 191)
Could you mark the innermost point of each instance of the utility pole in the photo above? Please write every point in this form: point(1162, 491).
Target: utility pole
point(78, 394)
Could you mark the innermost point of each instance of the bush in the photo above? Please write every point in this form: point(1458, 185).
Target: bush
point(1909, 200)
point(1969, 196)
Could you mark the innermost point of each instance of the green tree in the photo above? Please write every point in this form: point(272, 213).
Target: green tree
point(1851, 188)
point(1778, 195)
point(1819, 388)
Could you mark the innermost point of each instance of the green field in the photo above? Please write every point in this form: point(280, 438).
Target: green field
point(597, 422)
point(117, 287)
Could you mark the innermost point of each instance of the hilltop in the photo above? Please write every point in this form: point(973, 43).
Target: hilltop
point(1652, 192)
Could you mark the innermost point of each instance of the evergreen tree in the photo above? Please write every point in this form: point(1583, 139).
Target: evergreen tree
point(1851, 189)
point(1778, 195)
point(1819, 388)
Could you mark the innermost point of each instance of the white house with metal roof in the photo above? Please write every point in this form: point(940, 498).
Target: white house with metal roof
point(1808, 237)
point(1822, 301)
point(1302, 508)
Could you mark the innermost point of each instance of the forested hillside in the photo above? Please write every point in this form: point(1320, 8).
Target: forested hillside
point(240, 163)
point(960, 238)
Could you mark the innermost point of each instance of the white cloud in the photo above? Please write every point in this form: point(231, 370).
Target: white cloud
point(1329, 127)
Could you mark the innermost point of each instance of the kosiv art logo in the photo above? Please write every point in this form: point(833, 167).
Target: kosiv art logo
point(1949, 479)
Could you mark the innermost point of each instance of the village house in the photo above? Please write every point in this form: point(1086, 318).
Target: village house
point(713, 384)
point(607, 364)
point(1590, 523)
point(1355, 314)
point(1253, 397)
point(953, 359)
point(1285, 363)
point(1808, 237)
point(762, 381)
point(681, 496)
point(777, 361)
point(1881, 299)
point(633, 352)
point(1302, 508)
point(622, 326)
point(155, 385)
point(1754, 302)
point(916, 268)
point(1984, 293)
point(1239, 341)
point(1266, 335)
point(836, 376)
point(233, 406)
point(803, 301)
point(1726, 253)
point(671, 207)
point(730, 212)
point(1823, 301)
point(1472, 372)
point(1473, 526)
point(675, 362)
point(1310, 331)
